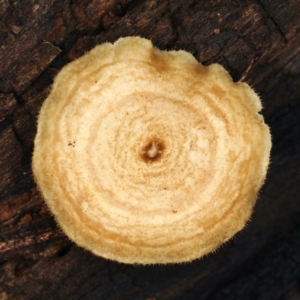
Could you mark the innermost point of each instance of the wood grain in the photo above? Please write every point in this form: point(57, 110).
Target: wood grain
point(255, 40)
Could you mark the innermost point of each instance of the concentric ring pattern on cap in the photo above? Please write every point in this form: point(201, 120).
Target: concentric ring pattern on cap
point(146, 156)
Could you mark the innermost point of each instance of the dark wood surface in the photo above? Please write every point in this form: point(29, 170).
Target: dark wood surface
point(255, 40)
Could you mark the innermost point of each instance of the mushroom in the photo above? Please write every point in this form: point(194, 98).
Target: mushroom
point(147, 156)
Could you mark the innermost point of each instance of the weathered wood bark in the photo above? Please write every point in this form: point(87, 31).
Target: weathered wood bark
point(255, 40)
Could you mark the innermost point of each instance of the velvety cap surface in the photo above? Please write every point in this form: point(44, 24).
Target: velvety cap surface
point(146, 156)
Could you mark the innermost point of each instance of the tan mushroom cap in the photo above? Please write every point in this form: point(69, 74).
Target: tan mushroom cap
point(146, 156)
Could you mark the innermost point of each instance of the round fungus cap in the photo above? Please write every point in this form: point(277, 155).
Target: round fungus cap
point(147, 156)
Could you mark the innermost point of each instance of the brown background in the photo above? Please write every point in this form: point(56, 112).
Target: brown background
point(255, 40)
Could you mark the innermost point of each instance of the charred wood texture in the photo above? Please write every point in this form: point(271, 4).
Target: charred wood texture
point(255, 40)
